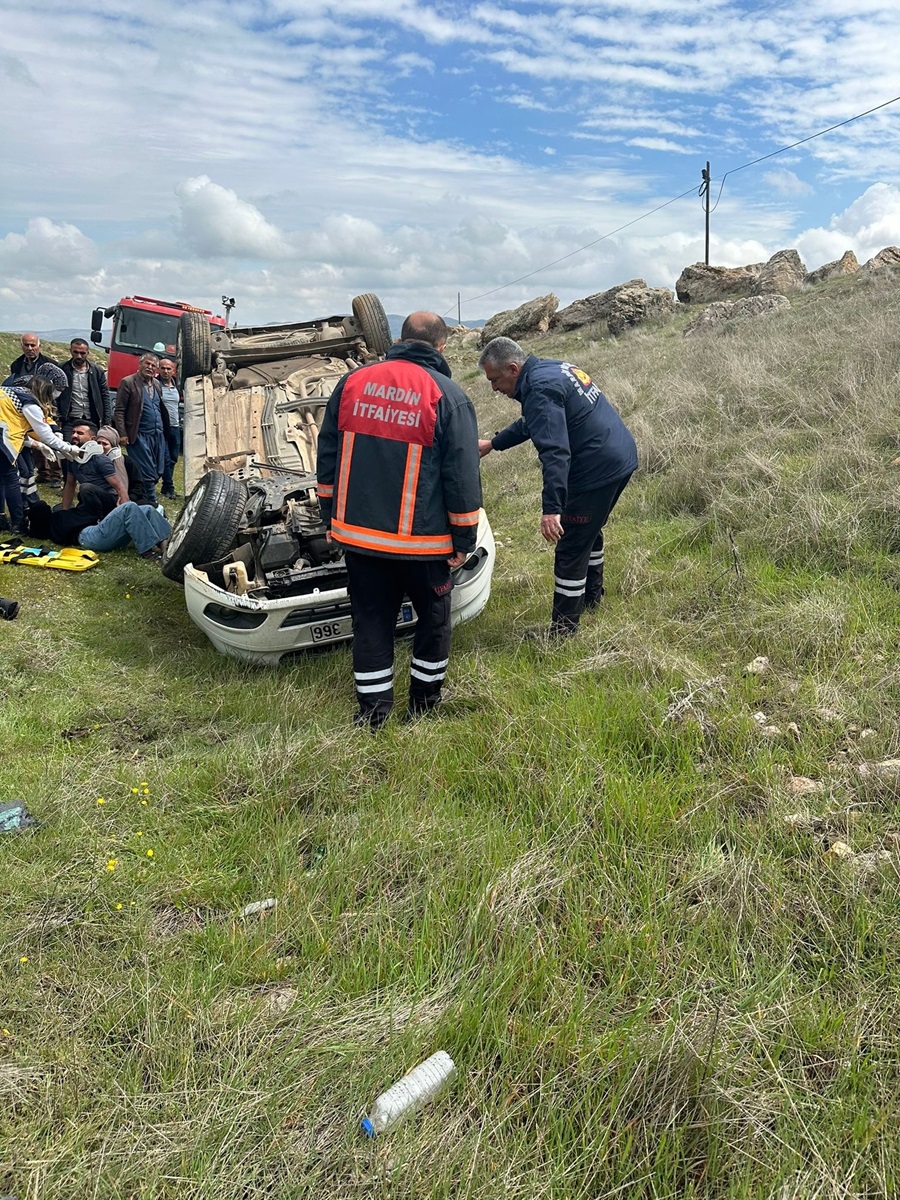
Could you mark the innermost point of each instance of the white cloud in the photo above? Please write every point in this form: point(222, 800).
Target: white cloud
point(648, 143)
point(47, 250)
point(868, 225)
point(786, 183)
point(215, 222)
point(294, 152)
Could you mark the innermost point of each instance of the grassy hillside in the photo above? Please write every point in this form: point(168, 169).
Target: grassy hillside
point(11, 348)
point(608, 880)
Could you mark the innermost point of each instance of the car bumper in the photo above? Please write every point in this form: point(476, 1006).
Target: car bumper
point(264, 632)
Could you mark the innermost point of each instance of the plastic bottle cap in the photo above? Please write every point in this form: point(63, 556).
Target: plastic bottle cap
point(367, 1127)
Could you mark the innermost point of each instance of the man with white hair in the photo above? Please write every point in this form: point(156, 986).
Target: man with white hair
point(587, 456)
point(30, 358)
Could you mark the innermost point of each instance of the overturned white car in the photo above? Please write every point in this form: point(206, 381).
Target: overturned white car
point(260, 578)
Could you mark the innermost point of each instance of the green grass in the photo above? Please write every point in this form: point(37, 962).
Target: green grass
point(11, 348)
point(579, 880)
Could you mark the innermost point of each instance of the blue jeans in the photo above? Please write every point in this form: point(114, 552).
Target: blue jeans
point(130, 522)
point(173, 453)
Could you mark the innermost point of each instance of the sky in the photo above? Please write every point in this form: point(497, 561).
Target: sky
point(295, 153)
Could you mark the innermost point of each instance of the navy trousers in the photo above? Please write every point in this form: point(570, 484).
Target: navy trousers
point(578, 565)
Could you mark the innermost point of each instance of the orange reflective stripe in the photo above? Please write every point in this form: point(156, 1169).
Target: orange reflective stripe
point(408, 495)
point(469, 518)
point(325, 489)
point(343, 473)
point(379, 539)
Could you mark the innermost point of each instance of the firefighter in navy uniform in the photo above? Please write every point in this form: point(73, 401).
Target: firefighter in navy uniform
point(400, 492)
point(587, 456)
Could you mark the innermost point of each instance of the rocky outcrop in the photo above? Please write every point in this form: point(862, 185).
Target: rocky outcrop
point(700, 284)
point(634, 305)
point(617, 309)
point(532, 317)
point(885, 260)
point(847, 264)
point(784, 272)
point(465, 335)
point(592, 310)
point(721, 311)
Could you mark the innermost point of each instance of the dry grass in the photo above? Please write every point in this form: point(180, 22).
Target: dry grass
point(580, 881)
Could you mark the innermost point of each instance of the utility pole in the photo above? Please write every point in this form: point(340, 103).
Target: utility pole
point(459, 308)
point(704, 195)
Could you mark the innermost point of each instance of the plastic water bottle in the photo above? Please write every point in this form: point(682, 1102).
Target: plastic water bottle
point(409, 1093)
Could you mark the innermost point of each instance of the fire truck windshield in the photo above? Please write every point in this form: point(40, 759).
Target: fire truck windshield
point(137, 329)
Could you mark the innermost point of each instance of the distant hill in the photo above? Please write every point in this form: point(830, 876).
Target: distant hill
point(56, 335)
point(396, 323)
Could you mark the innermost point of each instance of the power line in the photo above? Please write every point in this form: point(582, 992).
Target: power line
point(690, 191)
point(793, 145)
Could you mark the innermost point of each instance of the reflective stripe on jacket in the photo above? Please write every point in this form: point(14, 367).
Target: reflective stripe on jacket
point(13, 425)
point(398, 458)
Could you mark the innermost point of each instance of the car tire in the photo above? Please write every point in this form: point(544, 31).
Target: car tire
point(207, 526)
point(369, 312)
point(194, 346)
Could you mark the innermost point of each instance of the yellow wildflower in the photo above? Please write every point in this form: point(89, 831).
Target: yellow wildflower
point(24, 958)
point(149, 853)
point(112, 864)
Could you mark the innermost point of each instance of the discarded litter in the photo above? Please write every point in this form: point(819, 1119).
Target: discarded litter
point(257, 906)
point(15, 816)
point(313, 857)
point(409, 1093)
point(839, 850)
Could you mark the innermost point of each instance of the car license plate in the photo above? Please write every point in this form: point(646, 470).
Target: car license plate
point(330, 631)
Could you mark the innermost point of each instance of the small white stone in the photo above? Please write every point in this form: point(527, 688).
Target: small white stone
point(759, 666)
point(257, 906)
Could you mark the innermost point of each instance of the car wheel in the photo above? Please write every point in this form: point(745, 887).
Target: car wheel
point(207, 526)
point(369, 312)
point(194, 346)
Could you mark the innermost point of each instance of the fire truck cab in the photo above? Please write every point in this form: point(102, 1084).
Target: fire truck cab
point(141, 324)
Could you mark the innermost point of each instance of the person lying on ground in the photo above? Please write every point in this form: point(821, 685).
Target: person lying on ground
point(99, 486)
point(128, 522)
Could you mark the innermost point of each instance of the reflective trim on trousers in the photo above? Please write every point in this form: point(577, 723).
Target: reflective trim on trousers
point(428, 672)
point(569, 587)
point(382, 681)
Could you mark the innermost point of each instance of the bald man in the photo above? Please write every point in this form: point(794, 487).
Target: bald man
point(400, 492)
point(30, 358)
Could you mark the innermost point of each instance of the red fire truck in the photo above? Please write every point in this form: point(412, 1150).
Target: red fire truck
point(141, 324)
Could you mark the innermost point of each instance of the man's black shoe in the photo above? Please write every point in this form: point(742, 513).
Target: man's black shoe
point(417, 709)
point(370, 718)
point(547, 639)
